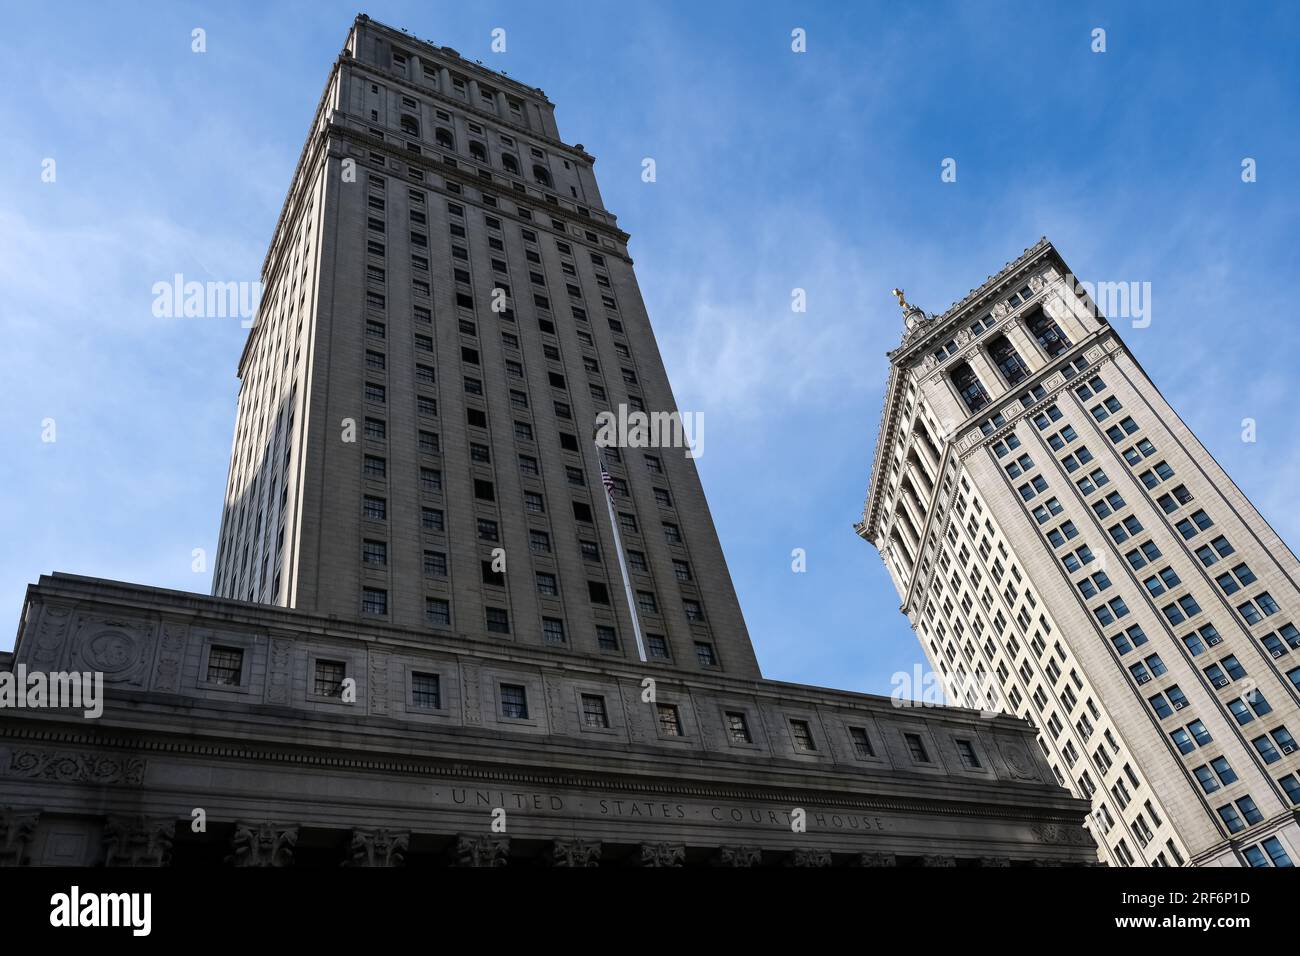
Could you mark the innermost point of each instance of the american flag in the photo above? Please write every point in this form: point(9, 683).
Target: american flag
point(606, 480)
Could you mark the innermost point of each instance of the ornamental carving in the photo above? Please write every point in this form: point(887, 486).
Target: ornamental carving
point(660, 854)
point(171, 654)
point(994, 861)
point(50, 637)
point(738, 856)
point(263, 844)
point(876, 859)
point(381, 847)
point(1018, 760)
point(16, 830)
point(64, 767)
point(1060, 834)
point(119, 650)
point(938, 860)
point(574, 853)
point(480, 851)
point(806, 857)
point(278, 676)
point(138, 841)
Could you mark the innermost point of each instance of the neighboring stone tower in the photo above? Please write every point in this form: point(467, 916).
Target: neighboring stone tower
point(1066, 550)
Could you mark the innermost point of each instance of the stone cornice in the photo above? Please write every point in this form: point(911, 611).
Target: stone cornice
point(900, 358)
point(288, 624)
point(548, 776)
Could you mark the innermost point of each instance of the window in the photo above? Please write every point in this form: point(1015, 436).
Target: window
point(606, 638)
point(374, 601)
point(594, 713)
point(514, 701)
point(670, 722)
point(801, 734)
point(329, 678)
point(657, 646)
point(552, 630)
point(966, 751)
point(738, 728)
point(435, 564)
point(426, 691)
point(225, 665)
point(374, 509)
point(374, 553)
point(861, 742)
point(705, 655)
point(498, 620)
point(969, 387)
point(916, 747)
point(437, 612)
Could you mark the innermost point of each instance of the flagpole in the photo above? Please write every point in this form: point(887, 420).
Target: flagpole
point(622, 563)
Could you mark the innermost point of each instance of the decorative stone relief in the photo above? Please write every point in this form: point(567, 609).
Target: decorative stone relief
point(631, 706)
point(480, 851)
point(16, 830)
point(119, 649)
point(50, 637)
point(381, 847)
point(738, 856)
point(279, 674)
point(171, 656)
point(65, 767)
point(574, 853)
point(555, 705)
point(1054, 381)
point(469, 679)
point(806, 857)
point(937, 860)
point(1001, 309)
point(263, 844)
point(1018, 760)
point(876, 859)
point(378, 683)
point(661, 854)
point(1094, 353)
point(138, 841)
point(1036, 283)
point(994, 861)
point(931, 361)
point(1058, 834)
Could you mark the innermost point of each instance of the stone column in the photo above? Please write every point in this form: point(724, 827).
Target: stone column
point(138, 841)
point(16, 830)
point(444, 81)
point(379, 847)
point(480, 851)
point(574, 853)
point(806, 857)
point(263, 844)
point(503, 106)
point(738, 856)
point(660, 854)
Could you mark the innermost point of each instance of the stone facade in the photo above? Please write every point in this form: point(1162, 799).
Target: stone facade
point(1068, 551)
point(367, 687)
point(279, 777)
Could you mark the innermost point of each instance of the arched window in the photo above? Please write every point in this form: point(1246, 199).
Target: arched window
point(478, 151)
point(410, 125)
point(509, 163)
point(444, 138)
point(1048, 333)
point(541, 175)
point(972, 392)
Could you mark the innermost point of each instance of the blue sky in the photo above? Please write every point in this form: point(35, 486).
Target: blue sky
point(776, 170)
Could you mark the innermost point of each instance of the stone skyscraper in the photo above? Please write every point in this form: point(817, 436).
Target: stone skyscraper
point(1068, 551)
point(447, 308)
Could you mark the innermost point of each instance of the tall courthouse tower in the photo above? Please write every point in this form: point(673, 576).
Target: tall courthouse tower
point(448, 305)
